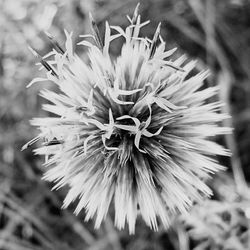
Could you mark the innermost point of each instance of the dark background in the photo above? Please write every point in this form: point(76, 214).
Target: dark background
point(216, 33)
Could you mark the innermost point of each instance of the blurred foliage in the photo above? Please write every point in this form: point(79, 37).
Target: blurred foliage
point(215, 32)
point(219, 224)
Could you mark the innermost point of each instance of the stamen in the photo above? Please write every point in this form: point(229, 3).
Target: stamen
point(55, 43)
point(174, 67)
point(96, 32)
point(154, 41)
point(43, 62)
point(54, 141)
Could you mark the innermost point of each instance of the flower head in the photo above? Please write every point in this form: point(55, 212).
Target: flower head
point(133, 132)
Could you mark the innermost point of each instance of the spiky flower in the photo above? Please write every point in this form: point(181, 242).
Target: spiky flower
point(132, 132)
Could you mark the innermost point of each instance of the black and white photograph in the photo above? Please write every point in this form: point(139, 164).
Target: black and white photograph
point(124, 125)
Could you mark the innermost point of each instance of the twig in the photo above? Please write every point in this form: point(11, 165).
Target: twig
point(214, 47)
point(225, 82)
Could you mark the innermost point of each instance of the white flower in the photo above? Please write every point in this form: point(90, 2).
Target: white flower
point(133, 132)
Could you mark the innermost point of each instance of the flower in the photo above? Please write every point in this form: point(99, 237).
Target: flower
point(132, 132)
point(218, 224)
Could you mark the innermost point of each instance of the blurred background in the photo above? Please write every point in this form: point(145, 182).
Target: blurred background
point(216, 33)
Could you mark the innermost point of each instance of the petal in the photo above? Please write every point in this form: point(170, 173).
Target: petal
point(35, 80)
point(136, 121)
point(137, 141)
point(148, 134)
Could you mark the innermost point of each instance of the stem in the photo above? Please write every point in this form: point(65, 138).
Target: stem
point(225, 82)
